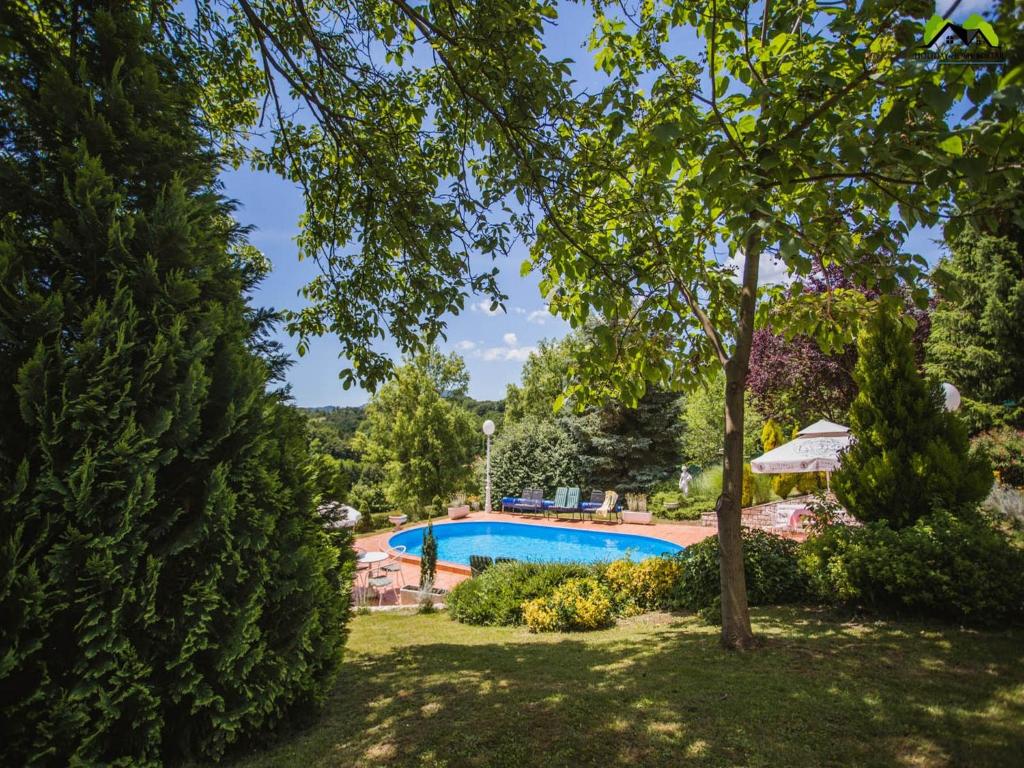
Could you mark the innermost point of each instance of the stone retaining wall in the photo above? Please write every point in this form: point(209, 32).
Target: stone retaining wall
point(761, 516)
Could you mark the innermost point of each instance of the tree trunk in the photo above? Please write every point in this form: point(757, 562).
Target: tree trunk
point(736, 630)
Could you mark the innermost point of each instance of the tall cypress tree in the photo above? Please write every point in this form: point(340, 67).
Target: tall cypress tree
point(910, 454)
point(164, 587)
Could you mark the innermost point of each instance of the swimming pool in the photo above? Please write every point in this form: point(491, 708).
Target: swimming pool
point(539, 543)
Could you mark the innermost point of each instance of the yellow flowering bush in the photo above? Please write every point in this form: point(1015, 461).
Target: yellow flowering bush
point(620, 575)
point(540, 615)
point(576, 604)
point(644, 586)
point(656, 579)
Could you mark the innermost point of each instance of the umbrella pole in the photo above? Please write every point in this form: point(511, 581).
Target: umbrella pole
point(828, 481)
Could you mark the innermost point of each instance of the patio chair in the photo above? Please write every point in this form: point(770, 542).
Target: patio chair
point(607, 509)
point(379, 584)
point(362, 569)
point(588, 507)
point(615, 508)
point(394, 565)
point(532, 500)
point(512, 504)
point(570, 503)
point(559, 503)
point(499, 560)
point(479, 563)
point(535, 501)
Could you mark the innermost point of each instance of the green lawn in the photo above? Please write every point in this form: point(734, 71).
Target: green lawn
point(658, 691)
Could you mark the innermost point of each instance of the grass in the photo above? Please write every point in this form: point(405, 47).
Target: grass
point(658, 691)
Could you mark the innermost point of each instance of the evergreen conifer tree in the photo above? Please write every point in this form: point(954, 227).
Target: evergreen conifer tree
point(910, 454)
point(632, 449)
point(977, 338)
point(164, 586)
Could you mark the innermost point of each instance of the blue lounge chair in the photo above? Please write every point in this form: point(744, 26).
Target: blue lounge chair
point(588, 507)
point(532, 500)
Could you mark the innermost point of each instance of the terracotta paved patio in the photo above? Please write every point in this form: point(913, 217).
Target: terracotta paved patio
point(450, 574)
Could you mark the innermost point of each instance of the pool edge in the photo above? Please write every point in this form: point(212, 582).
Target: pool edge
point(442, 565)
point(466, 570)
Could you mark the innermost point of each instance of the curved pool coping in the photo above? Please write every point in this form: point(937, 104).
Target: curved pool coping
point(446, 565)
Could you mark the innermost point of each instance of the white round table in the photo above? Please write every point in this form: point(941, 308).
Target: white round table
point(372, 557)
point(368, 559)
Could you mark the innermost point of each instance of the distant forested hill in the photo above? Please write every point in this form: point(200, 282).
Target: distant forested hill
point(484, 409)
point(345, 419)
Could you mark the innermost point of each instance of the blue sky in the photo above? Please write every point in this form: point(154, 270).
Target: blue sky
point(494, 345)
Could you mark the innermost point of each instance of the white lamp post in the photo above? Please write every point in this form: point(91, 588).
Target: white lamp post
point(488, 430)
point(952, 395)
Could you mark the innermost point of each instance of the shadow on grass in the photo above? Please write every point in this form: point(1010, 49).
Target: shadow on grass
point(660, 693)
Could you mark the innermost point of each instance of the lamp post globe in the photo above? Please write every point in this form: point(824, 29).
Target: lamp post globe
point(952, 397)
point(488, 431)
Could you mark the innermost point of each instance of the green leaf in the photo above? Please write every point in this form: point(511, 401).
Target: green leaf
point(746, 124)
point(952, 145)
point(665, 133)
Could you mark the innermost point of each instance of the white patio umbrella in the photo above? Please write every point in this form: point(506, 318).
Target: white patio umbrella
point(335, 515)
point(818, 448)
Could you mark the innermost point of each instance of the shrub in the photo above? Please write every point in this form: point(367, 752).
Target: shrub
point(577, 604)
point(644, 586)
point(810, 482)
point(1006, 506)
point(543, 453)
point(708, 484)
point(1005, 449)
point(691, 509)
point(747, 489)
point(770, 563)
point(368, 498)
point(704, 492)
point(945, 565)
point(756, 489)
point(784, 483)
point(760, 488)
point(496, 597)
point(660, 498)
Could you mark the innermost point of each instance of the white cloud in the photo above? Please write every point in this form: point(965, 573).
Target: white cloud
point(771, 271)
point(509, 351)
point(519, 311)
point(484, 306)
point(516, 354)
point(465, 345)
point(539, 316)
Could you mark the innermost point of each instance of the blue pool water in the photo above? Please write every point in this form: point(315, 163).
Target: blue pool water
point(539, 543)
